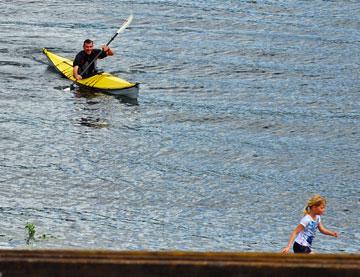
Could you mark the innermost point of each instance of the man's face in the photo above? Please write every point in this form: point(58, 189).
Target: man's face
point(88, 47)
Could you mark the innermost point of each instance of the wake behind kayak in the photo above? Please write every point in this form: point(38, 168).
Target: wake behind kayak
point(101, 82)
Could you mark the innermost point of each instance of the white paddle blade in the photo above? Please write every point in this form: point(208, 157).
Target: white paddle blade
point(126, 24)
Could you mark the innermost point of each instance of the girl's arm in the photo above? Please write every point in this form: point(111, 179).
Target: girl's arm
point(293, 235)
point(325, 231)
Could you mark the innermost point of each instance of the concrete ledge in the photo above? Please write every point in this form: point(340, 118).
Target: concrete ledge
point(138, 263)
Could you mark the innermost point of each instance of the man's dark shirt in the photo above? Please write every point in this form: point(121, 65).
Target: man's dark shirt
point(82, 60)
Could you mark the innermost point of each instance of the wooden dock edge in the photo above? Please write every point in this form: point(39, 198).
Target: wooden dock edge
point(147, 263)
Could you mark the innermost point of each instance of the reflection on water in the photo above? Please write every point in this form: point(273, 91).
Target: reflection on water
point(81, 92)
point(94, 104)
point(93, 122)
point(127, 100)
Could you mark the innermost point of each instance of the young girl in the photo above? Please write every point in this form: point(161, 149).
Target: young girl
point(304, 233)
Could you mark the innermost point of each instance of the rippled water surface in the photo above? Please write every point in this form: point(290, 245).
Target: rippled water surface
point(245, 109)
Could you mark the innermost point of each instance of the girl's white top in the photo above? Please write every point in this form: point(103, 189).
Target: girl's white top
point(306, 236)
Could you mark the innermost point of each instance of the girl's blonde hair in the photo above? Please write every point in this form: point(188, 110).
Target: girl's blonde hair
point(316, 201)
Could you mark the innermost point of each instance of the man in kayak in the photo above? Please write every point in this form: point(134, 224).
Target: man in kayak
point(86, 56)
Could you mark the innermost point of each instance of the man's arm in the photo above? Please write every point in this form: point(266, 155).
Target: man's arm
point(107, 50)
point(77, 76)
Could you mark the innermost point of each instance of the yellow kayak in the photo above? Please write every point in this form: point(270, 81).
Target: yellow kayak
point(100, 82)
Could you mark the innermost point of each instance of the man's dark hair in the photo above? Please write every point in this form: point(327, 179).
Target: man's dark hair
point(87, 41)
